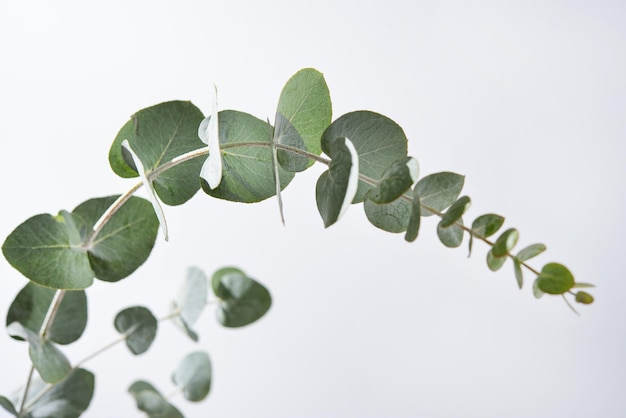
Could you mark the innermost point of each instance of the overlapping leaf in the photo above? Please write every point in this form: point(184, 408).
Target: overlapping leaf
point(439, 190)
point(243, 300)
point(32, 303)
point(247, 174)
point(378, 141)
point(157, 135)
point(391, 217)
point(191, 300)
point(395, 181)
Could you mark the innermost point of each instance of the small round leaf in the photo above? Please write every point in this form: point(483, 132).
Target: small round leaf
point(193, 376)
point(139, 326)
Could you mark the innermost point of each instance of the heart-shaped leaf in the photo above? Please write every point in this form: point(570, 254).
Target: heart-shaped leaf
point(139, 326)
point(157, 135)
point(32, 304)
point(127, 239)
point(378, 141)
point(242, 300)
point(193, 376)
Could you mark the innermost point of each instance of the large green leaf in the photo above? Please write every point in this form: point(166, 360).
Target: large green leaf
point(247, 174)
point(67, 399)
point(126, 240)
point(305, 104)
point(336, 187)
point(150, 401)
point(439, 190)
point(139, 326)
point(242, 300)
point(42, 248)
point(50, 362)
point(31, 306)
point(191, 300)
point(555, 279)
point(193, 376)
point(158, 134)
point(378, 140)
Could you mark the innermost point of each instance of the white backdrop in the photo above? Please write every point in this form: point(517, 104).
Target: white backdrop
point(527, 99)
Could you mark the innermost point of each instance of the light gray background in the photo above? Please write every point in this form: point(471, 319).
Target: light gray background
point(525, 98)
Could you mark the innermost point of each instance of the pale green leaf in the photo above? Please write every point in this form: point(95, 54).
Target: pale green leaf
point(193, 376)
point(191, 300)
point(438, 191)
point(451, 236)
point(208, 131)
point(414, 219)
point(68, 398)
point(494, 263)
point(150, 401)
point(530, 252)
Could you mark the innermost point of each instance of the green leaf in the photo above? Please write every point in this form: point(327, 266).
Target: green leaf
point(286, 134)
point(391, 217)
point(505, 242)
point(150, 401)
point(159, 134)
point(584, 298)
point(337, 186)
point(191, 300)
point(248, 174)
point(531, 251)
point(439, 190)
point(139, 326)
point(555, 279)
point(455, 212)
point(583, 285)
point(50, 362)
point(31, 306)
point(519, 276)
point(8, 406)
point(193, 376)
point(41, 250)
point(242, 300)
point(395, 181)
point(536, 291)
point(305, 104)
point(485, 226)
point(494, 263)
point(414, 219)
point(209, 133)
point(67, 399)
point(126, 240)
point(378, 140)
point(451, 236)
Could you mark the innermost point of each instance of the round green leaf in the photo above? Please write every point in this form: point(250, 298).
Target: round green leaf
point(455, 212)
point(451, 236)
point(485, 226)
point(248, 173)
point(505, 242)
point(126, 240)
point(242, 299)
point(139, 326)
point(536, 291)
point(159, 134)
point(378, 140)
point(67, 399)
point(286, 134)
point(41, 249)
point(555, 279)
point(31, 306)
point(305, 103)
point(438, 191)
point(193, 376)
